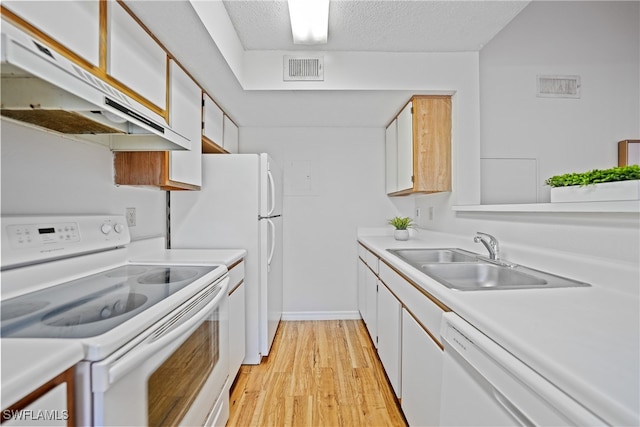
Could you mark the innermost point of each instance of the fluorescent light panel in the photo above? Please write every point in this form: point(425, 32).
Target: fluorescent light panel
point(309, 21)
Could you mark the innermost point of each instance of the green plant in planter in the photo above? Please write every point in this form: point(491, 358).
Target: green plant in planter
point(624, 173)
point(401, 223)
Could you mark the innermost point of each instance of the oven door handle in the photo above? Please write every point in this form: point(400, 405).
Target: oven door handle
point(120, 367)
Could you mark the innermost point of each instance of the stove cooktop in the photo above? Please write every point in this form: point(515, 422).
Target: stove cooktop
point(94, 304)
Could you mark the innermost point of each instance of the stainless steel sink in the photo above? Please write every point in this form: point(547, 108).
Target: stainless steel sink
point(466, 271)
point(417, 257)
point(485, 276)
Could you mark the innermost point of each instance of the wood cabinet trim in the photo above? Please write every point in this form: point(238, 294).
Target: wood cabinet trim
point(623, 151)
point(424, 328)
point(65, 377)
point(210, 147)
point(49, 41)
point(235, 264)
point(146, 168)
point(240, 283)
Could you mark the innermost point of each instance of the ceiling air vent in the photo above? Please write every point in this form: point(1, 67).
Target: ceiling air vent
point(558, 87)
point(303, 68)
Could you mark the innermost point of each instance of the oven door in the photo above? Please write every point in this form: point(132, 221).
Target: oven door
point(173, 375)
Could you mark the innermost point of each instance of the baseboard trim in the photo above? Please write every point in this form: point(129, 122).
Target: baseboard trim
point(321, 315)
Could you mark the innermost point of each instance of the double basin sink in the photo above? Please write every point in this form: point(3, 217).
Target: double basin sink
point(465, 271)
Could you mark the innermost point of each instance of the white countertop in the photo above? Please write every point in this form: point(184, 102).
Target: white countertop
point(193, 256)
point(29, 363)
point(586, 341)
point(153, 250)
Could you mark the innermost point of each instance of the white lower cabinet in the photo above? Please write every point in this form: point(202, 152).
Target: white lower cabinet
point(404, 323)
point(237, 323)
point(389, 335)
point(362, 299)
point(371, 297)
point(421, 374)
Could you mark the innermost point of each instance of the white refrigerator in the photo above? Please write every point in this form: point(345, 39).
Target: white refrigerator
point(239, 206)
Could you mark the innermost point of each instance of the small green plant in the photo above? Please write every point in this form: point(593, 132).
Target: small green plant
point(401, 223)
point(595, 176)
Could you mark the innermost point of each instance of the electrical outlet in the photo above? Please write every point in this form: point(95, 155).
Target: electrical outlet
point(431, 213)
point(131, 217)
point(417, 212)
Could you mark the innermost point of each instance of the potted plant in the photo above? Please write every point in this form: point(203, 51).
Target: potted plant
point(401, 225)
point(619, 183)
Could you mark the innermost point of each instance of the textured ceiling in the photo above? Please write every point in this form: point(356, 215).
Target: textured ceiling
point(379, 25)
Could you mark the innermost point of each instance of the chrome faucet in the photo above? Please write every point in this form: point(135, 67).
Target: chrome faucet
point(490, 242)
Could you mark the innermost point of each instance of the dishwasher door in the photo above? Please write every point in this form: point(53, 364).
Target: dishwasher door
point(484, 385)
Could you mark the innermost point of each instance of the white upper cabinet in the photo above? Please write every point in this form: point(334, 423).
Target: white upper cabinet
point(134, 58)
point(75, 25)
point(213, 118)
point(184, 118)
point(231, 136)
point(405, 149)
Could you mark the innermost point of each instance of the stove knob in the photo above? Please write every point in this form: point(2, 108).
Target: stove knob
point(119, 228)
point(118, 307)
point(105, 313)
point(106, 228)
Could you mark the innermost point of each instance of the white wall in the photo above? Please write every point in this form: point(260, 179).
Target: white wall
point(346, 190)
point(44, 173)
point(600, 41)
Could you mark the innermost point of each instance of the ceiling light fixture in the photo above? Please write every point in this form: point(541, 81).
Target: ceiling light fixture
point(309, 21)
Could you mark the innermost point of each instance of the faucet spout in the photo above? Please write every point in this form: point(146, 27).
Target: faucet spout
point(489, 242)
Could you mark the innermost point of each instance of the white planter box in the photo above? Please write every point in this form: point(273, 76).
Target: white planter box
point(604, 192)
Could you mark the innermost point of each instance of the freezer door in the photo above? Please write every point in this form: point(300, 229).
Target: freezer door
point(270, 187)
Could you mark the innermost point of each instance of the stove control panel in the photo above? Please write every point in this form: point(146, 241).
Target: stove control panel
point(26, 240)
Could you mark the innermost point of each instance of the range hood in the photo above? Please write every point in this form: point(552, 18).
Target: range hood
point(43, 88)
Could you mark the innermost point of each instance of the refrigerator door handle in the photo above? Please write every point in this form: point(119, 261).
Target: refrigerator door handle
point(272, 193)
point(272, 228)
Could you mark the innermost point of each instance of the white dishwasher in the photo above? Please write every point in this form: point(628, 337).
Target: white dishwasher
point(484, 385)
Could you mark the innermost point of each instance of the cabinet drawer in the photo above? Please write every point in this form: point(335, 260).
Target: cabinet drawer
point(236, 276)
point(362, 252)
point(372, 261)
point(427, 312)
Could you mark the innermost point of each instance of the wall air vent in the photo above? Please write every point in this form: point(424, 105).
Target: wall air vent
point(297, 68)
point(558, 87)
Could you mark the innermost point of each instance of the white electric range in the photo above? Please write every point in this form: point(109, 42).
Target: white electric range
point(149, 329)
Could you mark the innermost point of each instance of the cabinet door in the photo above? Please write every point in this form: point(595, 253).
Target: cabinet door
point(371, 296)
point(135, 59)
point(54, 402)
point(236, 330)
point(405, 148)
point(421, 374)
point(73, 24)
point(213, 118)
point(362, 295)
point(184, 117)
point(389, 333)
point(231, 136)
point(391, 157)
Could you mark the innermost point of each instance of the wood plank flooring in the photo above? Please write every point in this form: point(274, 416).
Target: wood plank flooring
point(319, 373)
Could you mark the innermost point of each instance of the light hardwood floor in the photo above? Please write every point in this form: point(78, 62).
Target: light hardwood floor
point(319, 373)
